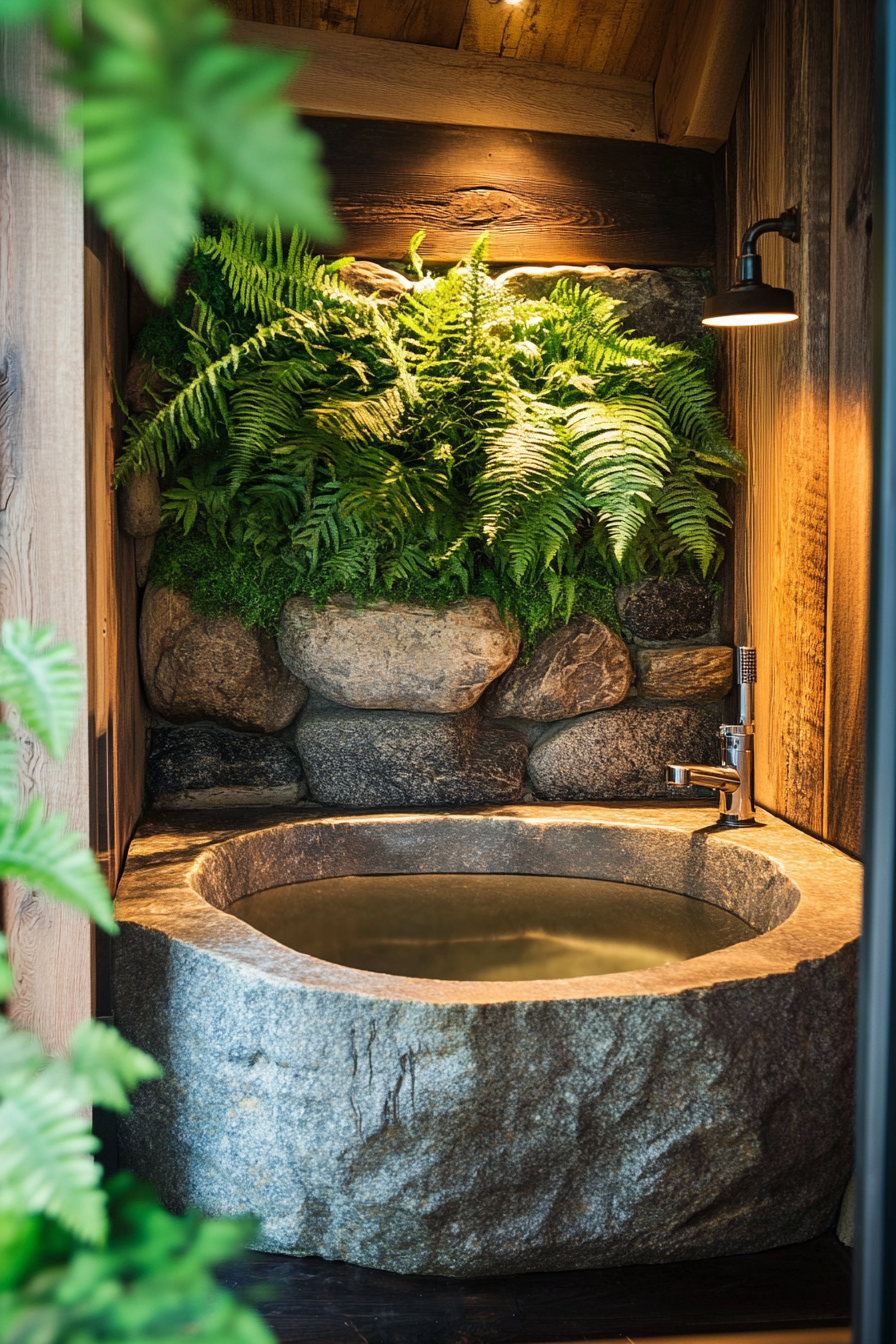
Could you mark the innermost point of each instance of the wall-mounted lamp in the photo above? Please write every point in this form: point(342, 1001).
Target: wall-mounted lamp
point(751, 303)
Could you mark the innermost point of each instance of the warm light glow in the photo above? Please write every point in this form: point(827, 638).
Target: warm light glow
point(513, 2)
point(750, 320)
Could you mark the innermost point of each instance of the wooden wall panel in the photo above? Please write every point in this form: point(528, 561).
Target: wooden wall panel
point(42, 528)
point(782, 408)
point(544, 198)
point(117, 732)
point(435, 22)
point(614, 37)
point(801, 406)
point(849, 464)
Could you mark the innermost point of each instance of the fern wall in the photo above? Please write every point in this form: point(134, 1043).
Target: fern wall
point(398, 703)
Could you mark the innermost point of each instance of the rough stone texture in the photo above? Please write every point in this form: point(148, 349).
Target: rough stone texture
point(679, 608)
point(395, 656)
point(368, 277)
point(198, 667)
point(144, 386)
point(582, 667)
point(385, 758)
point(622, 753)
point(665, 304)
point(205, 767)
point(143, 549)
point(695, 1109)
point(701, 673)
point(140, 506)
point(846, 1220)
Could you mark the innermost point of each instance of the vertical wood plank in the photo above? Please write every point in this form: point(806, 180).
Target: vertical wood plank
point(618, 37)
point(115, 711)
point(42, 527)
point(850, 423)
point(782, 412)
point(437, 23)
point(327, 16)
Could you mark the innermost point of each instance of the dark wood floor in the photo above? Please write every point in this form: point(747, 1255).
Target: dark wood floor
point(312, 1301)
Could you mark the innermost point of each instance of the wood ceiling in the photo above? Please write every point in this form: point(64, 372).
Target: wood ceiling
point(608, 37)
point(661, 70)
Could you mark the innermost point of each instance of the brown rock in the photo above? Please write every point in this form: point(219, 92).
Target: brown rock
point(199, 667)
point(143, 549)
point(397, 656)
point(368, 277)
point(665, 304)
point(580, 668)
point(140, 506)
point(701, 673)
point(144, 385)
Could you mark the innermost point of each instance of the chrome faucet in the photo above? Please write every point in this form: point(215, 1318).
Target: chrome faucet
point(734, 777)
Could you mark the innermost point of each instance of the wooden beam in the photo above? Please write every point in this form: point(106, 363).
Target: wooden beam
point(404, 81)
point(43, 570)
point(544, 198)
point(701, 71)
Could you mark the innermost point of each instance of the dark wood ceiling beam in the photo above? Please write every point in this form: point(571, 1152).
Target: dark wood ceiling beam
point(404, 81)
point(545, 199)
point(702, 69)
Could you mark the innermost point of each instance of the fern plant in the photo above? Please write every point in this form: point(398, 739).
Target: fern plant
point(462, 440)
point(80, 1261)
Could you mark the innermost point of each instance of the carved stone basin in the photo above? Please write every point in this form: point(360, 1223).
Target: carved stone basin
point(695, 1108)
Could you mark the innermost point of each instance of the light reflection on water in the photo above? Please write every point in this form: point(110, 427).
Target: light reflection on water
point(491, 926)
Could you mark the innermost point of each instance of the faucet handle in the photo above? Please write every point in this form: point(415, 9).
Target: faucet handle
point(746, 665)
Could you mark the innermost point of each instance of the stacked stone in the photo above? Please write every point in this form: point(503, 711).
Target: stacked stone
point(395, 705)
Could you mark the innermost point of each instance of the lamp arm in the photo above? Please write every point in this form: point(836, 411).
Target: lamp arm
point(749, 263)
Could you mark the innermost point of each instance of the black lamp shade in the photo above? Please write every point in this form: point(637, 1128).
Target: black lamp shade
point(756, 305)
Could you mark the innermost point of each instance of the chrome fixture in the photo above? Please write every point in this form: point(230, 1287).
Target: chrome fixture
point(734, 777)
point(751, 303)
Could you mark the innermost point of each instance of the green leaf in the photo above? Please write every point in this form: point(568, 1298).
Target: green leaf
point(46, 1147)
point(6, 976)
point(42, 854)
point(40, 678)
point(173, 114)
point(108, 1066)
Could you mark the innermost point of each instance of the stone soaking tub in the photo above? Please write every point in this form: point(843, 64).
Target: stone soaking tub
point(446, 1126)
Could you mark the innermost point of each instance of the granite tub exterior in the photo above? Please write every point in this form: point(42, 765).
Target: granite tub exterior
point(700, 1108)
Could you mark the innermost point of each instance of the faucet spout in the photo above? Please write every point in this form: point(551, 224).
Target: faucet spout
point(734, 776)
point(707, 776)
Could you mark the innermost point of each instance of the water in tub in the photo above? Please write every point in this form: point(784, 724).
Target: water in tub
point(489, 926)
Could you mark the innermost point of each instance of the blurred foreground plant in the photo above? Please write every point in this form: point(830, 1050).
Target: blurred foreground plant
point(79, 1261)
point(173, 116)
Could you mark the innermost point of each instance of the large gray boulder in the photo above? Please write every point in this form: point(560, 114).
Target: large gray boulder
point(204, 767)
point(202, 667)
point(665, 304)
point(581, 667)
point(393, 758)
point(622, 752)
point(394, 655)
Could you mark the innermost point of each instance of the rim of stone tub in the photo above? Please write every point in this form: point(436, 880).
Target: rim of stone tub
point(804, 896)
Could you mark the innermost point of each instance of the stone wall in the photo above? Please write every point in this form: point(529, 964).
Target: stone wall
point(397, 705)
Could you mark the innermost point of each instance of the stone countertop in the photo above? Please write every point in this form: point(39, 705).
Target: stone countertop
point(183, 870)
